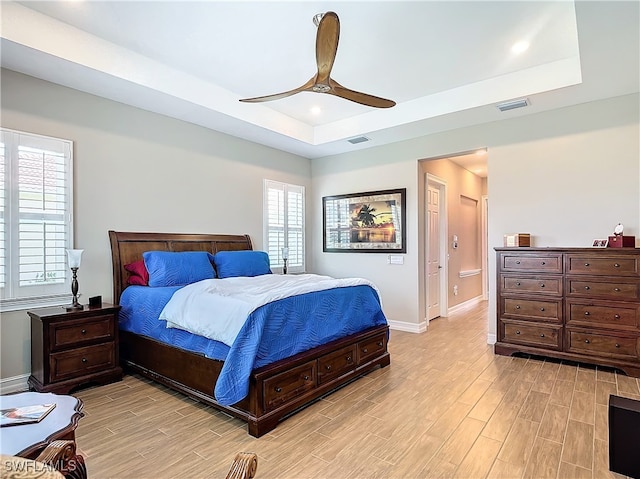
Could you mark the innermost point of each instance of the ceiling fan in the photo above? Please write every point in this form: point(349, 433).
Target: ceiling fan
point(326, 48)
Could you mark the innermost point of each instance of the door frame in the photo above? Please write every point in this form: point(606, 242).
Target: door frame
point(485, 247)
point(441, 185)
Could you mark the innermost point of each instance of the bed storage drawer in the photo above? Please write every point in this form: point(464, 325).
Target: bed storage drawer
point(336, 364)
point(369, 348)
point(286, 386)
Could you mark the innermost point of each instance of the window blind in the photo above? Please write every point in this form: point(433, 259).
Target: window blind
point(284, 224)
point(35, 218)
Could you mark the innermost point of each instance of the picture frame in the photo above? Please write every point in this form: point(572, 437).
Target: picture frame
point(600, 243)
point(369, 222)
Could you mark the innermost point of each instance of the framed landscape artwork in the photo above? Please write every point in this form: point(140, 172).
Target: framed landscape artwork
point(371, 222)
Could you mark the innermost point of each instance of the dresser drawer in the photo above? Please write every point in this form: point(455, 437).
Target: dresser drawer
point(545, 336)
point(78, 362)
point(539, 284)
point(336, 364)
point(372, 347)
point(283, 387)
point(602, 265)
point(532, 309)
point(602, 344)
point(609, 289)
point(533, 263)
point(603, 315)
point(67, 334)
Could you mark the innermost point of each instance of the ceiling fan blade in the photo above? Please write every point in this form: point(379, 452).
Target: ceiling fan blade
point(277, 96)
point(358, 97)
point(327, 45)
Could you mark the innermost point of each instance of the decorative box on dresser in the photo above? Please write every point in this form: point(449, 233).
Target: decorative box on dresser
point(580, 304)
point(73, 348)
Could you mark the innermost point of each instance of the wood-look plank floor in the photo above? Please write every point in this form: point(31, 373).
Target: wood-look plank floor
point(445, 407)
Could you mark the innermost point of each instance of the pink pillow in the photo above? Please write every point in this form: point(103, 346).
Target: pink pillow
point(138, 273)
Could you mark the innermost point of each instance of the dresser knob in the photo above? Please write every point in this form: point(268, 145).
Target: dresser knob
point(328, 367)
point(517, 332)
point(277, 389)
point(587, 313)
point(617, 345)
point(542, 285)
point(616, 265)
point(616, 316)
point(587, 341)
point(84, 331)
point(587, 288)
point(365, 350)
point(349, 359)
point(306, 378)
point(586, 264)
point(517, 306)
point(541, 309)
point(84, 360)
point(542, 335)
point(544, 263)
point(380, 343)
point(517, 262)
point(518, 283)
point(617, 290)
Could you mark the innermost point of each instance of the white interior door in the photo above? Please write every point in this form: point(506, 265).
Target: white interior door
point(434, 268)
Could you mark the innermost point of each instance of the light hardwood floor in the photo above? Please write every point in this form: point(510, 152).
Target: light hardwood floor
point(445, 407)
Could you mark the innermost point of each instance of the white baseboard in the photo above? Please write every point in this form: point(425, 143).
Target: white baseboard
point(491, 338)
point(466, 304)
point(408, 327)
point(14, 384)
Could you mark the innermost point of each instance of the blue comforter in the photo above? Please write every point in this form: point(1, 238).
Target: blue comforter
point(272, 332)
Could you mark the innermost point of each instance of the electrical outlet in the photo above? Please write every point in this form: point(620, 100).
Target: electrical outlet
point(455, 290)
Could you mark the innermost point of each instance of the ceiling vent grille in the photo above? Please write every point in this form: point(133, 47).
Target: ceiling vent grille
point(513, 104)
point(359, 139)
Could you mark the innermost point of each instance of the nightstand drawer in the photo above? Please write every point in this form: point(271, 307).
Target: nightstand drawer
point(76, 333)
point(82, 361)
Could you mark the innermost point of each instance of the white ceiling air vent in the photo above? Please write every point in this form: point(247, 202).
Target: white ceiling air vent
point(359, 139)
point(510, 105)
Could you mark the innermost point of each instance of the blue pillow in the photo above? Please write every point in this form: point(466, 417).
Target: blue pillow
point(230, 264)
point(167, 268)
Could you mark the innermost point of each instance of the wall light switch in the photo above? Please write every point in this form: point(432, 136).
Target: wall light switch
point(395, 259)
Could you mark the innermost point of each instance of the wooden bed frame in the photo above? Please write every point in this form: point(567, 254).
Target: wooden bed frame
point(276, 390)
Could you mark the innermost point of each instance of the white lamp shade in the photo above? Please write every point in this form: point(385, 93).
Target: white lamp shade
point(285, 253)
point(74, 256)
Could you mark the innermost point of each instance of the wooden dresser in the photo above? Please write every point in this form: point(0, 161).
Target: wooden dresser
point(581, 304)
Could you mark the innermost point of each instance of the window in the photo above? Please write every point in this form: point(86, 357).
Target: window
point(284, 224)
point(35, 219)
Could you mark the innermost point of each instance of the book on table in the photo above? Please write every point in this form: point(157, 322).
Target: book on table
point(14, 416)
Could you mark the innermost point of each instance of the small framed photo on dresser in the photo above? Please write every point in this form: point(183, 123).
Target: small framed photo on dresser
point(600, 243)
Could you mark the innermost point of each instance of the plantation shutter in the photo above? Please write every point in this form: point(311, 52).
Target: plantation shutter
point(36, 218)
point(284, 224)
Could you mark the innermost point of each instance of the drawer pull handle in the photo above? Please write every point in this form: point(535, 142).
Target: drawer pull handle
point(542, 285)
point(517, 262)
point(84, 360)
point(542, 335)
point(587, 288)
point(349, 359)
point(306, 378)
point(517, 331)
point(617, 290)
point(587, 341)
point(616, 316)
point(616, 265)
point(617, 345)
point(541, 309)
point(380, 343)
point(587, 313)
point(517, 306)
point(365, 350)
point(543, 263)
point(518, 283)
point(328, 367)
point(278, 389)
point(84, 331)
point(586, 264)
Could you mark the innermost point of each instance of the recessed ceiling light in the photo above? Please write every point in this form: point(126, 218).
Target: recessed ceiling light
point(316, 110)
point(520, 47)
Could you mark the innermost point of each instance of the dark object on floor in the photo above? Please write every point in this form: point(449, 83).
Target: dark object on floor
point(624, 436)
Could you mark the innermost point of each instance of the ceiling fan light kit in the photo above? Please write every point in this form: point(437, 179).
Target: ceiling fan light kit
point(327, 38)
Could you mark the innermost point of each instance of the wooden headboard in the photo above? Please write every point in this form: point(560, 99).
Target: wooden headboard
point(128, 247)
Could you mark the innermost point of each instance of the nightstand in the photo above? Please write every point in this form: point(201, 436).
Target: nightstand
point(73, 348)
